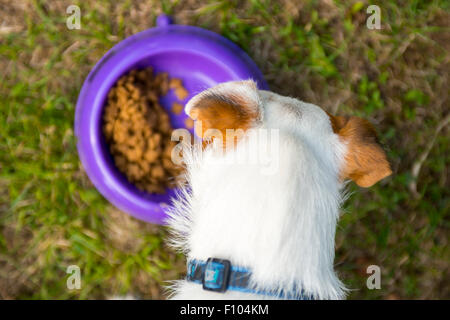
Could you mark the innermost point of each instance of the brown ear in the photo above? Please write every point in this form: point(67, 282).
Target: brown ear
point(365, 160)
point(226, 110)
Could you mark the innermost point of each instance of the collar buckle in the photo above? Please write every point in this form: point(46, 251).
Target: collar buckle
point(216, 275)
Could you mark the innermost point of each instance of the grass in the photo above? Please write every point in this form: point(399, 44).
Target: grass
point(319, 51)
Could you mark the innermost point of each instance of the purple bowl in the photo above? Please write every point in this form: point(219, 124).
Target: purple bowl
point(200, 58)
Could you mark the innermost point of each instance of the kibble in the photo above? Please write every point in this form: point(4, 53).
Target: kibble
point(189, 123)
point(177, 86)
point(177, 108)
point(138, 129)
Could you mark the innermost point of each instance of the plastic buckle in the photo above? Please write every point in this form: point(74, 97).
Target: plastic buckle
point(217, 275)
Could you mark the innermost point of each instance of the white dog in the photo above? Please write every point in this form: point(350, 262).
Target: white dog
point(249, 234)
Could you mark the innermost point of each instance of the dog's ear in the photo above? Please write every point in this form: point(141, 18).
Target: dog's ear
point(226, 110)
point(365, 160)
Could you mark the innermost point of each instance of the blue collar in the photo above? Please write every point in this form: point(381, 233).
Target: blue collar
point(219, 275)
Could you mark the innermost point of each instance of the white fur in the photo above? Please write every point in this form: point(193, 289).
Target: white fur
point(281, 226)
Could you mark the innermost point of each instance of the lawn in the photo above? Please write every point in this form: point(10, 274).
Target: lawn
point(52, 217)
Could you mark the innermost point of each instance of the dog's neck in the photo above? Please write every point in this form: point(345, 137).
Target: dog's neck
point(281, 226)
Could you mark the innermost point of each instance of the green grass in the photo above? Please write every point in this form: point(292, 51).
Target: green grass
point(321, 52)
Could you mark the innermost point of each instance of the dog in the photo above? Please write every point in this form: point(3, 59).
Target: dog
point(254, 235)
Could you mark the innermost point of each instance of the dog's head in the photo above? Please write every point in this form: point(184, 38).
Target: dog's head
point(239, 105)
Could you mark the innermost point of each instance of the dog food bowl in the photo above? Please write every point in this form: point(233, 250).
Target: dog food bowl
point(200, 58)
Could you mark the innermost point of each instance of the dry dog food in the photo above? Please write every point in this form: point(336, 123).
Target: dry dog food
point(177, 108)
point(138, 129)
point(189, 123)
point(180, 91)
